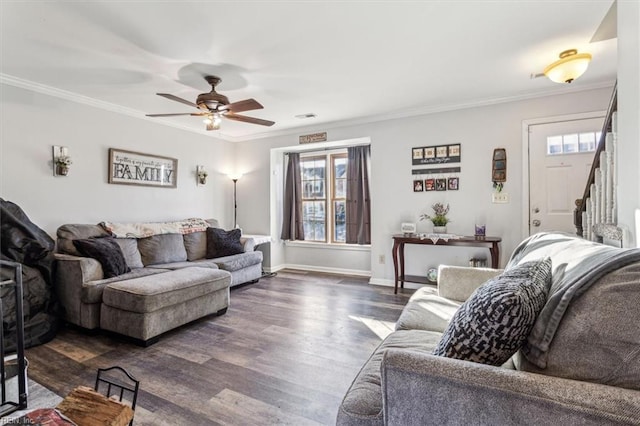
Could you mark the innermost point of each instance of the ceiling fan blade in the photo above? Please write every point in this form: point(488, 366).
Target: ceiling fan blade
point(171, 115)
point(177, 99)
point(608, 28)
point(240, 106)
point(252, 120)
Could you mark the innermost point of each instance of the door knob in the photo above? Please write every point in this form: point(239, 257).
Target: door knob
point(536, 210)
point(536, 222)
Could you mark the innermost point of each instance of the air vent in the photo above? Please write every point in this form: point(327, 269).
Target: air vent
point(307, 115)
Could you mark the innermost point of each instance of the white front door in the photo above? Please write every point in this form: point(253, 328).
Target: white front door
point(560, 157)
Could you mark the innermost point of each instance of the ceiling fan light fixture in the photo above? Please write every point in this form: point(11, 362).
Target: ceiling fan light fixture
point(570, 66)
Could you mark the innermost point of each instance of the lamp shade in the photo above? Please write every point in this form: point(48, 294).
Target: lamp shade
point(570, 66)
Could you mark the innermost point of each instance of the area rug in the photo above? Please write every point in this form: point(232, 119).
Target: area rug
point(38, 397)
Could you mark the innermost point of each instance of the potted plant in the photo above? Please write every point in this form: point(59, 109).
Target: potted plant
point(202, 176)
point(439, 218)
point(62, 163)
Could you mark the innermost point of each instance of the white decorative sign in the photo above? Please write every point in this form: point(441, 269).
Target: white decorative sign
point(314, 137)
point(135, 168)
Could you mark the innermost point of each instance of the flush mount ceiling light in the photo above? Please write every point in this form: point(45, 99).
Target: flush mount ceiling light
point(570, 66)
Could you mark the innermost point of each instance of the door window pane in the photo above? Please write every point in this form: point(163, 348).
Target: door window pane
point(570, 143)
point(554, 145)
point(587, 142)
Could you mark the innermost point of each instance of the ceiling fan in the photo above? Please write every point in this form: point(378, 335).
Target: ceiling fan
point(213, 106)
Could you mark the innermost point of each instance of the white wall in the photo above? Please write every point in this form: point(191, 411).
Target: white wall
point(628, 118)
point(33, 122)
point(479, 130)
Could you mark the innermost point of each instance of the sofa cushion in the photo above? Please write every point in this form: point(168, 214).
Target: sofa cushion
point(362, 403)
point(426, 310)
point(222, 243)
point(129, 247)
point(163, 248)
point(106, 251)
point(92, 290)
point(239, 261)
point(598, 339)
point(148, 294)
point(202, 263)
point(69, 232)
point(494, 323)
point(195, 244)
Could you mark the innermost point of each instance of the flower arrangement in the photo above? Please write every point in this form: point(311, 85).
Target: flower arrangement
point(440, 216)
point(63, 161)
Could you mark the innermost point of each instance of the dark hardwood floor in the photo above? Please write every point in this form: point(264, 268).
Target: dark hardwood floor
point(284, 353)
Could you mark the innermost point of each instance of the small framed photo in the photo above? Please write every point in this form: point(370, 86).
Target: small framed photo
point(429, 184)
point(418, 186)
point(454, 150)
point(499, 175)
point(453, 184)
point(430, 152)
point(441, 151)
point(441, 184)
point(418, 153)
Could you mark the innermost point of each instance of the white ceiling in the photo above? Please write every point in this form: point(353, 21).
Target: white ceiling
point(345, 61)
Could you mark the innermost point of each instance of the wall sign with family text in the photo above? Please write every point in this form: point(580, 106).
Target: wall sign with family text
point(436, 154)
point(136, 168)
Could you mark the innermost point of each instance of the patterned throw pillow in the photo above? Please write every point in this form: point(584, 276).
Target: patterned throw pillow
point(495, 321)
point(222, 243)
point(106, 251)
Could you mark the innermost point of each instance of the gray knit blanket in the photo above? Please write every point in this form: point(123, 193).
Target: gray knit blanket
point(576, 265)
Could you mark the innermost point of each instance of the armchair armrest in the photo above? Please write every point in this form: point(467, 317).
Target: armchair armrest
point(249, 243)
point(78, 269)
point(458, 282)
point(419, 388)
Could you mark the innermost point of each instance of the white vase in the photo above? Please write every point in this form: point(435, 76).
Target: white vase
point(439, 229)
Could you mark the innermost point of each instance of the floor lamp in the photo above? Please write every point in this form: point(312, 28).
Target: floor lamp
point(235, 178)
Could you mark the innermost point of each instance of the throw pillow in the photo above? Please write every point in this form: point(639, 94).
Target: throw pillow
point(129, 247)
point(162, 248)
point(495, 321)
point(222, 243)
point(106, 251)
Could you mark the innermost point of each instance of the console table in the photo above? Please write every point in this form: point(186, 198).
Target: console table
point(400, 240)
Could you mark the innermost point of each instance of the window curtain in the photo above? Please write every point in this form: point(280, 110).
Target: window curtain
point(292, 209)
point(358, 214)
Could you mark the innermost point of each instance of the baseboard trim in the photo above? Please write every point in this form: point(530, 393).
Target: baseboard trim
point(312, 268)
point(391, 283)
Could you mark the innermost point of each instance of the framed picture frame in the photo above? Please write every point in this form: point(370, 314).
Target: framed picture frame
point(441, 151)
point(430, 152)
point(454, 150)
point(453, 184)
point(418, 153)
point(137, 168)
point(418, 185)
point(441, 184)
point(429, 184)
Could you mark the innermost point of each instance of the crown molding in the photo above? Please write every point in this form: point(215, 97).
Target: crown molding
point(426, 110)
point(86, 100)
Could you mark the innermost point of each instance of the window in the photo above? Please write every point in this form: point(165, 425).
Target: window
point(324, 191)
point(572, 143)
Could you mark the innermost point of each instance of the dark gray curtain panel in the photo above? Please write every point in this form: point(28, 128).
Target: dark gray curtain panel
point(292, 211)
point(358, 201)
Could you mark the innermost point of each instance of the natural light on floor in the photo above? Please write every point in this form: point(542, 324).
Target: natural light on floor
point(381, 328)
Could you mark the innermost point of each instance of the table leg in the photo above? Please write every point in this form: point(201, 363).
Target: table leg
point(394, 252)
point(401, 265)
point(495, 255)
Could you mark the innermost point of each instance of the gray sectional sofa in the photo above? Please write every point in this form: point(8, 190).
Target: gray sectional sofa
point(586, 371)
point(170, 282)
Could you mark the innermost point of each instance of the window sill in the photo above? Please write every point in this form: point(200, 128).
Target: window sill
point(310, 244)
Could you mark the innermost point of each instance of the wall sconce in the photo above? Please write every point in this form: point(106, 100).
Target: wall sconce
point(61, 160)
point(570, 66)
point(201, 175)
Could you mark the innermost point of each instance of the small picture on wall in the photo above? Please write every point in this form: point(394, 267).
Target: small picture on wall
point(441, 184)
point(441, 151)
point(429, 184)
point(454, 150)
point(453, 183)
point(418, 153)
point(430, 152)
point(417, 186)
